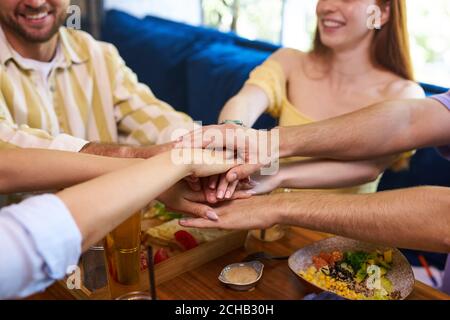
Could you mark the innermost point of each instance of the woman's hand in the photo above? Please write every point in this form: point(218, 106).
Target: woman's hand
point(262, 184)
point(181, 198)
point(216, 188)
point(203, 162)
point(254, 213)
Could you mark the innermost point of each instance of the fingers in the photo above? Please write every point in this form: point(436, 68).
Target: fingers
point(246, 184)
point(200, 223)
point(210, 194)
point(222, 187)
point(194, 183)
point(199, 138)
point(211, 162)
point(199, 210)
point(212, 183)
point(191, 140)
point(230, 190)
point(242, 194)
point(242, 172)
point(207, 137)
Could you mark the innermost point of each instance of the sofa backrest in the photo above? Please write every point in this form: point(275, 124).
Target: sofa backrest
point(198, 69)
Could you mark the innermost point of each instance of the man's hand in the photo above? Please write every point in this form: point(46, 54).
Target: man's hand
point(125, 151)
point(182, 199)
point(255, 213)
point(257, 148)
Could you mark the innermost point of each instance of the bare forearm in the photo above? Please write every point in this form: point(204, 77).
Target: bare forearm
point(99, 205)
point(321, 174)
point(413, 218)
point(247, 106)
point(237, 109)
point(125, 151)
point(383, 129)
point(37, 170)
point(329, 174)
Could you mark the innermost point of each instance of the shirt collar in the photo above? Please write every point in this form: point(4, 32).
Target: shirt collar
point(70, 47)
point(6, 53)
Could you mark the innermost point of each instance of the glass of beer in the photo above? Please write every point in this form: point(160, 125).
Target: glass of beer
point(272, 234)
point(122, 251)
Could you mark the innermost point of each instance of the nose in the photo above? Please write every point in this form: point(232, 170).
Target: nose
point(327, 6)
point(34, 3)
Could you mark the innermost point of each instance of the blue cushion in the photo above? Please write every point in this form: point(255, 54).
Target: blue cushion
point(209, 34)
point(431, 89)
point(427, 167)
point(156, 51)
point(201, 33)
point(216, 74)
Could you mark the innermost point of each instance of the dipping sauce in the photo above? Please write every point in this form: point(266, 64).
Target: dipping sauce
point(241, 275)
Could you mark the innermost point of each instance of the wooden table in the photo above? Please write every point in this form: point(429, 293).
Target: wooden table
point(278, 282)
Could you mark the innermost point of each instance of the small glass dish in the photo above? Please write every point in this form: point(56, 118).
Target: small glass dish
point(257, 266)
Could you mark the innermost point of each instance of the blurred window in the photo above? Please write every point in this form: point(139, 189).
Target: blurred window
point(291, 23)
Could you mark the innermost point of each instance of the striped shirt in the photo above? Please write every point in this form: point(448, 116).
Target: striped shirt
point(90, 96)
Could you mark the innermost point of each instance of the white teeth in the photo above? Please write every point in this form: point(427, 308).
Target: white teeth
point(332, 24)
point(37, 16)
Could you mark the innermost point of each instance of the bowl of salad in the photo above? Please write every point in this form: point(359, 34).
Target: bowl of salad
point(354, 270)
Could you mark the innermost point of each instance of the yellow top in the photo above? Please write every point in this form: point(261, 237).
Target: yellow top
point(270, 77)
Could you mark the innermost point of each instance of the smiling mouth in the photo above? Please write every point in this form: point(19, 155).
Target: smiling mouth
point(35, 17)
point(332, 24)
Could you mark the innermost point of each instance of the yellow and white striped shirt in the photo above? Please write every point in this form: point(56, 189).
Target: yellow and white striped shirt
point(90, 96)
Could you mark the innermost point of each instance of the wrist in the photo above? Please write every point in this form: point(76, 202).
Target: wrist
point(181, 161)
point(108, 150)
point(283, 145)
point(277, 209)
point(279, 180)
point(281, 209)
point(151, 151)
point(235, 122)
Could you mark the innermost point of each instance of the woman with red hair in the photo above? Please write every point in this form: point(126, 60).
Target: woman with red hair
point(350, 66)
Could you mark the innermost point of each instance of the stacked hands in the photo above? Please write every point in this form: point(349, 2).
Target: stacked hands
point(211, 199)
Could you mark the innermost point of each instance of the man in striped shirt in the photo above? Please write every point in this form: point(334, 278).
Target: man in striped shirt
point(61, 89)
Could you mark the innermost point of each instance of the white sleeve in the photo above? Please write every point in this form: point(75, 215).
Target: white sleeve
point(39, 240)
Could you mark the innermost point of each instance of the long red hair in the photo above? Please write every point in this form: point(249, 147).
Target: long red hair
point(390, 46)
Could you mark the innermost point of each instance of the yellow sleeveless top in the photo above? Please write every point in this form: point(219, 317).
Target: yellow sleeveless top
point(270, 77)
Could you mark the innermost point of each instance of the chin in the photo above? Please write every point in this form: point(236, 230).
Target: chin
point(333, 44)
point(37, 36)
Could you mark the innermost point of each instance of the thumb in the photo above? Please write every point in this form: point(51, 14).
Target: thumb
point(242, 194)
point(199, 210)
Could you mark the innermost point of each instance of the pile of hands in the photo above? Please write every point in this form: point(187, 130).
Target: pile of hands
point(223, 201)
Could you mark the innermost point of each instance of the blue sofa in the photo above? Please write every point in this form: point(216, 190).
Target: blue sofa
point(198, 69)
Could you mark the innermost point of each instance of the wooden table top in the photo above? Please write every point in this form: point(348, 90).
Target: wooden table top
point(277, 283)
